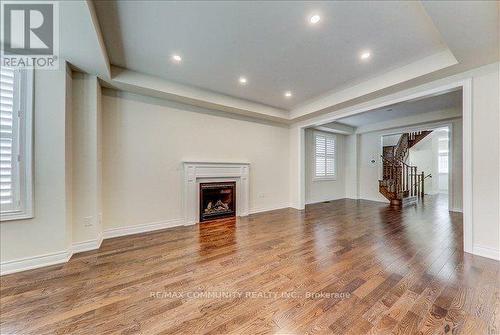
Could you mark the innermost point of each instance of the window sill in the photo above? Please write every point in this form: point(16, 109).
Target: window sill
point(13, 216)
point(324, 179)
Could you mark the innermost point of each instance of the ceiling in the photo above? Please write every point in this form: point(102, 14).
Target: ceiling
point(128, 45)
point(271, 43)
point(451, 100)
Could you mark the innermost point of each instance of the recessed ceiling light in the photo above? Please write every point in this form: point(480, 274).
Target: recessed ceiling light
point(288, 94)
point(365, 55)
point(176, 58)
point(243, 80)
point(314, 19)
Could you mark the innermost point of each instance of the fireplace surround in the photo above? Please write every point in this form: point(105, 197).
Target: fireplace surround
point(196, 173)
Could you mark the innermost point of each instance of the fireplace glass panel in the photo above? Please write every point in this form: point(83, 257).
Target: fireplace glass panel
point(217, 200)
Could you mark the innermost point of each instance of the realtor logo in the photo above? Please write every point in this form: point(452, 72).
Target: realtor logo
point(30, 34)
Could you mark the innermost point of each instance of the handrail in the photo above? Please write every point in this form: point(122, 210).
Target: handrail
point(402, 179)
point(398, 160)
point(414, 186)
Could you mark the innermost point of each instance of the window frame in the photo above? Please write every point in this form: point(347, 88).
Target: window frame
point(333, 177)
point(440, 155)
point(24, 186)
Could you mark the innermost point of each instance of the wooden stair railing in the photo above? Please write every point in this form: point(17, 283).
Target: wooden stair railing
point(401, 180)
point(406, 141)
point(417, 136)
point(401, 150)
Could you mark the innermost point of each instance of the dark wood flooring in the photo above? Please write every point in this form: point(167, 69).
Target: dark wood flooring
point(344, 267)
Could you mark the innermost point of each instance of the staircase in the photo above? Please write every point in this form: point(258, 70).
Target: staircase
point(401, 183)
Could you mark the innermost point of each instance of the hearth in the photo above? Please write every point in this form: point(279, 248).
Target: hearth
point(217, 200)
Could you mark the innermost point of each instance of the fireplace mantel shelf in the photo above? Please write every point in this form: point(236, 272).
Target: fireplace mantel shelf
point(196, 172)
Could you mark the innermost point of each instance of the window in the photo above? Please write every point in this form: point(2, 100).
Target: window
point(443, 162)
point(324, 156)
point(16, 93)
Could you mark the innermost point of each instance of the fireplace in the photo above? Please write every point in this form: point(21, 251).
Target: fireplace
point(217, 200)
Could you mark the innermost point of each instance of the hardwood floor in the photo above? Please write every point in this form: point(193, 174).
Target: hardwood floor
point(347, 267)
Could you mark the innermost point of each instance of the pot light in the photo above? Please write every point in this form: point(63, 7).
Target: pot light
point(288, 94)
point(314, 19)
point(176, 58)
point(365, 55)
point(243, 80)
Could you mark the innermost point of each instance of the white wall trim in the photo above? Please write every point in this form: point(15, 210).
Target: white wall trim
point(35, 262)
point(142, 228)
point(457, 210)
point(312, 202)
point(486, 252)
point(87, 245)
point(196, 172)
point(466, 85)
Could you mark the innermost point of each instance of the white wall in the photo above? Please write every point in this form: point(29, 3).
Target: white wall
point(370, 149)
point(47, 233)
point(425, 156)
point(485, 161)
point(456, 166)
point(145, 141)
point(391, 140)
point(324, 190)
point(351, 167)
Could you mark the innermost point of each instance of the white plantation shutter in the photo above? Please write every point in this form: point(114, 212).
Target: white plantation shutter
point(324, 154)
point(8, 140)
point(15, 144)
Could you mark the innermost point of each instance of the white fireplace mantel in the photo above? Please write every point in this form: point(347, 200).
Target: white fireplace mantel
point(202, 172)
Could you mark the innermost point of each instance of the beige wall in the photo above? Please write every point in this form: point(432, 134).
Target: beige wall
point(86, 172)
point(47, 233)
point(324, 190)
point(69, 155)
point(145, 141)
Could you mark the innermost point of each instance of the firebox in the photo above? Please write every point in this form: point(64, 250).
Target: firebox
point(217, 200)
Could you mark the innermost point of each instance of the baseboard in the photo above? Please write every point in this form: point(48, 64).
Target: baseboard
point(320, 201)
point(142, 228)
point(267, 208)
point(458, 210)
point(87, 245)
point(30, 263)
point(486, 252)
